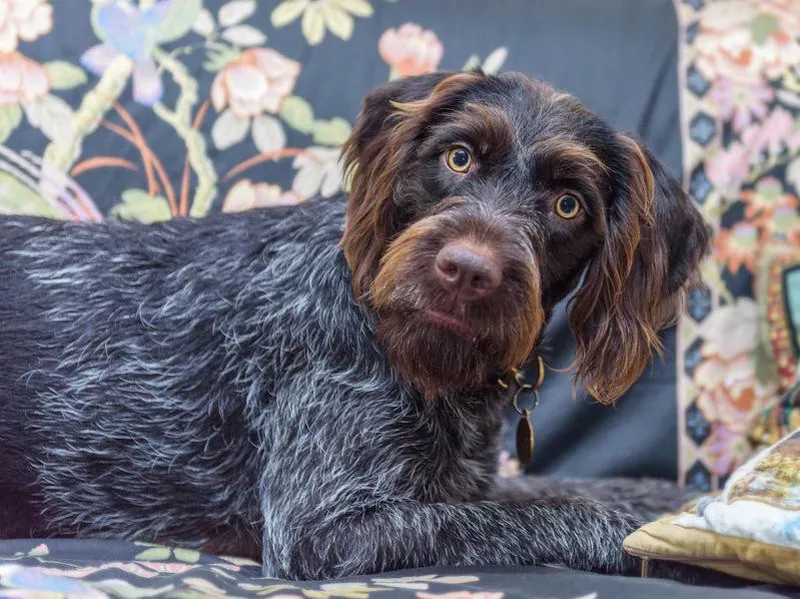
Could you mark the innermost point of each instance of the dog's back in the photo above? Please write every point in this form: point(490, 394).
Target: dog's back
point(129, 349)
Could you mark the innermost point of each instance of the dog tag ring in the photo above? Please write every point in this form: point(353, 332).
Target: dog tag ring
point(519, 384)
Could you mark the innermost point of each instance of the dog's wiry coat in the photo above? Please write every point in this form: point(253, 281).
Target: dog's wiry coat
point(215, 384)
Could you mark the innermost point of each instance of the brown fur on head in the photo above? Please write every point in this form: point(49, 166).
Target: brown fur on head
point(636, 237)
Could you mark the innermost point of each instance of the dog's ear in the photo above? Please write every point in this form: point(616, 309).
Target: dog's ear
point(392, 118)
point(654, 240)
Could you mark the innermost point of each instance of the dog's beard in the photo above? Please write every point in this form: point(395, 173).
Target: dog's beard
point(438, 344)
point(436, 361)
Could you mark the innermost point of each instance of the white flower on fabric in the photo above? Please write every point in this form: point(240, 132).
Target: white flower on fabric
point(318, 172)
point(246, 195)
point(25, 20)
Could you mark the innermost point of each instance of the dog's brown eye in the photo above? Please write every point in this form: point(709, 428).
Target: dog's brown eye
point(459, 159)
point(568, 206)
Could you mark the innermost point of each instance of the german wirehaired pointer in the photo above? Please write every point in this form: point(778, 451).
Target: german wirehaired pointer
point(310, 385)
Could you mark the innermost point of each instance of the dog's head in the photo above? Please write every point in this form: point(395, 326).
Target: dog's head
point(478, 202)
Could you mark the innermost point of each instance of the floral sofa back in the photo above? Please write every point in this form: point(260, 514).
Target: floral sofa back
point(159, 109)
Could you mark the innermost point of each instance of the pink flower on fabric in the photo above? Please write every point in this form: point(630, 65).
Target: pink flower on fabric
point(255, 83)
point(21, 79)
point(729, 167)
point(410, 50)
point(741, 102)
point(772, 134)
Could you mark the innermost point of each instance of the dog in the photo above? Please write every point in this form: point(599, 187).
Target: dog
point(311, 385)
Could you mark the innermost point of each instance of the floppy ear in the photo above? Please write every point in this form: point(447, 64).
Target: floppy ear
point(654, 239)
point(391, 119)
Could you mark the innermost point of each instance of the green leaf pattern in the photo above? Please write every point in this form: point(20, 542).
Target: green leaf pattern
point(138, 205)
point(64, 75)
point(10, 118)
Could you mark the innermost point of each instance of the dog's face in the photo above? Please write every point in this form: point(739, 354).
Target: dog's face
point(477, 202)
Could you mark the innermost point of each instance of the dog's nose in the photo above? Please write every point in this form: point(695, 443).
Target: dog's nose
point(471, 271)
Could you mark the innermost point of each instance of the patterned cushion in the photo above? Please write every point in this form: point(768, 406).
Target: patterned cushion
point(750, 530)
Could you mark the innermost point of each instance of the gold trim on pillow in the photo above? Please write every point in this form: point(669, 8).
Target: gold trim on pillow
point(751, 560)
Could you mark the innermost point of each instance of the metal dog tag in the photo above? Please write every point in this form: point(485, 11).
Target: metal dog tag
point(515, 385)
point(525, 438)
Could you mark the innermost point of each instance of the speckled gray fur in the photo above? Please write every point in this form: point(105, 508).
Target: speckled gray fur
point(214, 384)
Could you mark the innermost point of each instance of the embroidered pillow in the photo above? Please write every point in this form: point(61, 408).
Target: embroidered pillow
point(750, 530)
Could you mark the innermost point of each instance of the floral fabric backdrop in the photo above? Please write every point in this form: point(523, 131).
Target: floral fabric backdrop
point(184, 101)
point(741, 117)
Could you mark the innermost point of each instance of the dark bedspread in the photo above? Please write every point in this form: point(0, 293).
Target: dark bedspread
point(96, 570)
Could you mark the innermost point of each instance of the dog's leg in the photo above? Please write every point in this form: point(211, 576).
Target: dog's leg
point(356, 485)
point(575, 532)
point(351, 487)
point(644, 499)
point(647, 499)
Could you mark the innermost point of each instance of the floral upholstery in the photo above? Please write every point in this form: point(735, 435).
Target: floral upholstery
point(741, 118)
point(159, 109)
point(240, 102)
